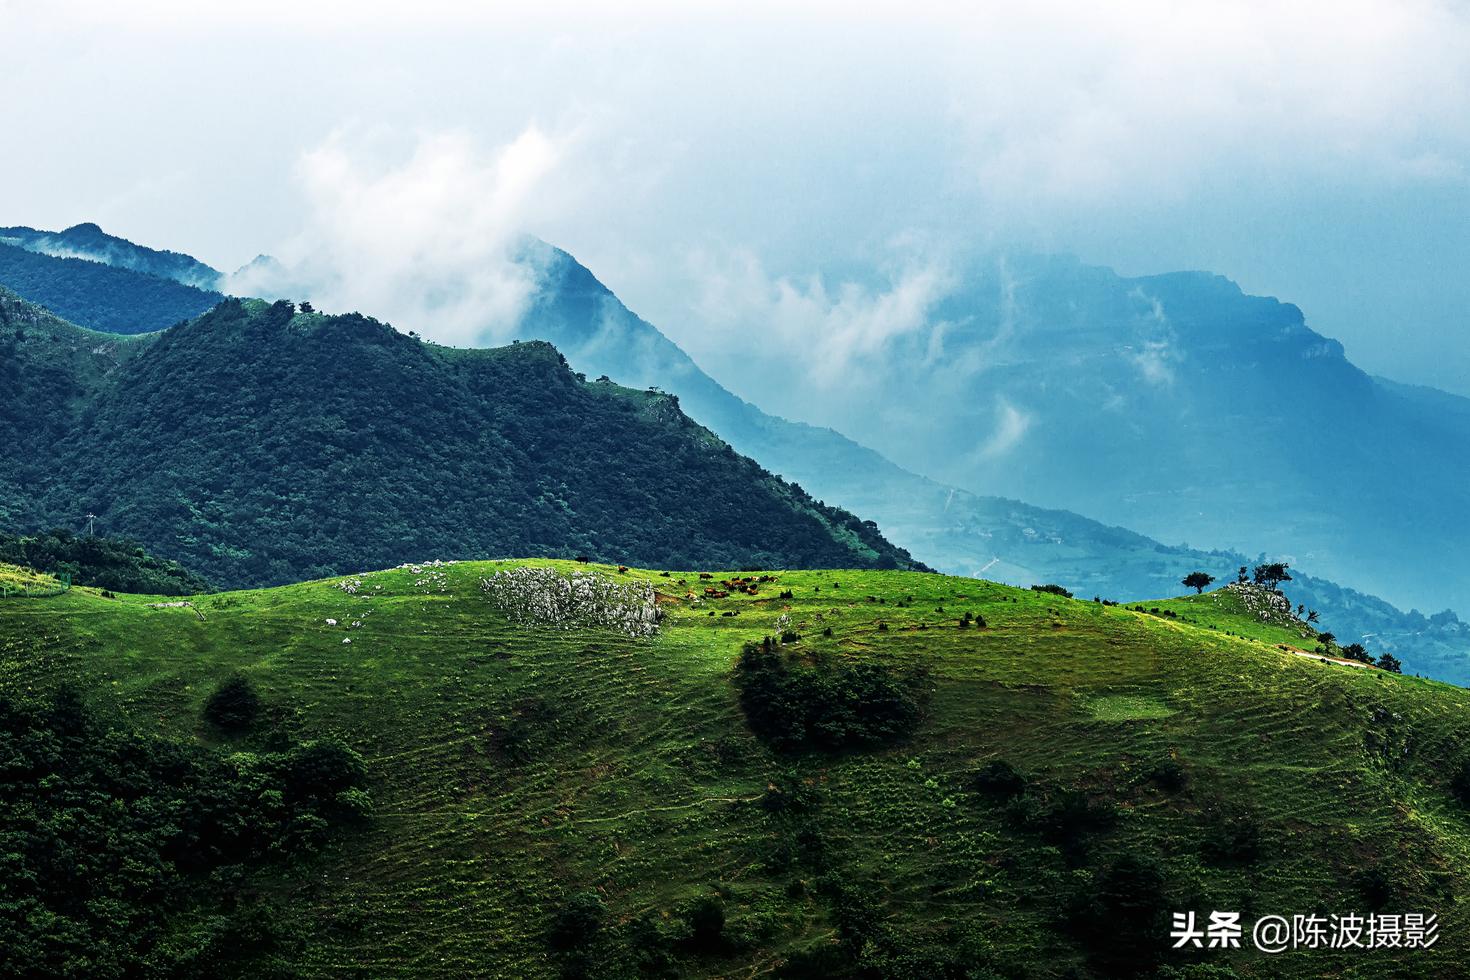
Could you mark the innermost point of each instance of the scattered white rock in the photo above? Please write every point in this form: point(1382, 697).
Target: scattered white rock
point(546, 597)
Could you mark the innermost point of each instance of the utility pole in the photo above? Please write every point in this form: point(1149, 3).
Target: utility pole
point(91, 518)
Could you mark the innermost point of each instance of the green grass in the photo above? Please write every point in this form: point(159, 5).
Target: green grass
point(1226, 610)
point(639, 779)
point(17, 578)
point(1127, 707)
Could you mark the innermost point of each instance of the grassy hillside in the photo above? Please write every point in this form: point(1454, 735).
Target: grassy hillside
point(560, 800)
point(283, 445)
point(21, 578)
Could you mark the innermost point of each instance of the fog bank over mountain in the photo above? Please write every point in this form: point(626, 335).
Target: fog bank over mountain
point(1311, 151)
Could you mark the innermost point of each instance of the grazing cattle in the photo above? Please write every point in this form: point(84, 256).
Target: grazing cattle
point(622, 569)
point(705, 575)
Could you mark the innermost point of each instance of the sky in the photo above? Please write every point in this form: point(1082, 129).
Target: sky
point(725, 167)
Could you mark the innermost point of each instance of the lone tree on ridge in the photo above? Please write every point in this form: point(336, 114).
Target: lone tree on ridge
point(1272, 574)
point(1198, 581)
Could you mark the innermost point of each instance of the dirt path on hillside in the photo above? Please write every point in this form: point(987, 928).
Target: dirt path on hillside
point(1331, 660)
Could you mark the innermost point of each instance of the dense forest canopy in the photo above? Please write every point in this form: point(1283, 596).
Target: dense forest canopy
point(284, 445)
point(106, 563)
point(128, 855)
point(98, 296)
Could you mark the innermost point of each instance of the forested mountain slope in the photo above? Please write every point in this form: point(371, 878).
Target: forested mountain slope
point(257, 444)
point(87, 241)
point(100, 296)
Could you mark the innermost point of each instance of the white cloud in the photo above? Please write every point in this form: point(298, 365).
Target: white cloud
point(1156, 134)
point(1010, 428)
point(807, 329)
point(1155, 363)
point(1155, 354)
point(431, 242)
point(1065, 105)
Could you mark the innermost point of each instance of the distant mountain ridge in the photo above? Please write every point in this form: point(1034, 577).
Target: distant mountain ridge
point(282, 445)
point(1177, 405)
point(97, 294)
point(952, 529)
point(955, 530)
point(88, 241)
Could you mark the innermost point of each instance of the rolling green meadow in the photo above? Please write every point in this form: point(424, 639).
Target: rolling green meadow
point(520, 773)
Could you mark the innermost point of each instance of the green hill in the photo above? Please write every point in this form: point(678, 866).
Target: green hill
point(87, 241)
point(259, 445)
point(107, 563)
point(100, 296)
point(953, 777)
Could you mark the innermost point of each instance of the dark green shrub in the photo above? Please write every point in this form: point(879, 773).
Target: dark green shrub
point(1376, 886)
point(1052, 589)
point(998, 780)
point(1233, 836)
point(706, 921)
point(234, 705)
point(821, 962)
point(649, 947)
point(1068, 819)
point(1122, 917)
point(791, 794)
point(577, 922)
point(1071, 816)
point(322, 769)
point(1169, 775)
point(825, 703)
point(1460, 783)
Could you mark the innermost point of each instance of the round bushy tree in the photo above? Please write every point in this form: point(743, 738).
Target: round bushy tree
point(578, 921)
point(234, 705)
point(322, 769)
